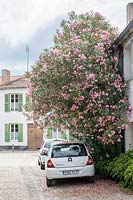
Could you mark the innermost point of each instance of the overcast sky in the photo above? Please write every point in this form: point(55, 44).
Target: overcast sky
point(34, 23)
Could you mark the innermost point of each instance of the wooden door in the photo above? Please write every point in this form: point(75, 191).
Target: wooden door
point(35, 137)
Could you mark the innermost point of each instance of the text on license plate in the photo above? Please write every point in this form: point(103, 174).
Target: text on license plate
point(70, 172)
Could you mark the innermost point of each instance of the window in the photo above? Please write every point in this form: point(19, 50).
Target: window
point(14, 102)
point(14, 132)
point(68, 150)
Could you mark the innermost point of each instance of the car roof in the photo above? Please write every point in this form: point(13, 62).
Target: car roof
point(52, 139)
point(66, 142)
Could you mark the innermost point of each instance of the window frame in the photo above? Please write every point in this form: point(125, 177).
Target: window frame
point(14, 105)
point(14, 131)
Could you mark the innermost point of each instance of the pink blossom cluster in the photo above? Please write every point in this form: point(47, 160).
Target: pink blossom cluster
point(90, 76)
point(74, 107)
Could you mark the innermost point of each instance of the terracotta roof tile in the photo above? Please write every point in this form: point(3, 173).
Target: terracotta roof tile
point(12, 78)
point(16, 82)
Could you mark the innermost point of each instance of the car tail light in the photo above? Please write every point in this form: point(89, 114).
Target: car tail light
point(89, 161)
point(50, 164)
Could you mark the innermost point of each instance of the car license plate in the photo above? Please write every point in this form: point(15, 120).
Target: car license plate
point(70, 172)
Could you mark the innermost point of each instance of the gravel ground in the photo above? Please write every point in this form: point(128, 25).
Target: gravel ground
point(22, 179)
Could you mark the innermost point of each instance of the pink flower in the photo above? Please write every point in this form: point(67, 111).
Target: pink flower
point(61, 34)
point(76, 51)
point(97, 14)
point(30, 89)
point(57, 51)
point(100, 44)
point(81, 98)
point(104, 36)
point(96, 34)
point(44, 67)
point(90, 76)
point(81, 117)
point(115, 59)
point(74, 107)
point(113, 132)
point(65, 96)
point(83, 57)
point(100, 120)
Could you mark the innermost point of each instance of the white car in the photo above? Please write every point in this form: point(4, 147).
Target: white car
point(45, 146)
point(68, 160)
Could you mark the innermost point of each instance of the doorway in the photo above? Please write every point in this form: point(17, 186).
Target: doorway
point(35, 137)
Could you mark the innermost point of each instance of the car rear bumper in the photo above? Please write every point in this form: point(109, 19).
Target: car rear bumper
point(58, 173)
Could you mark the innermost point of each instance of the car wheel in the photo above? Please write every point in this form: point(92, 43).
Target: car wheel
point(42, 166)
point(49, 182)
point(91, 179)
point(38, 163)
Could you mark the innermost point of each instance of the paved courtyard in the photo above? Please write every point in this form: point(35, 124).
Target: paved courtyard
point(22, 179)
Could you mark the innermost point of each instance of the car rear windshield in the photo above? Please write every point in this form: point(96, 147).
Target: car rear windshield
point(68, 150)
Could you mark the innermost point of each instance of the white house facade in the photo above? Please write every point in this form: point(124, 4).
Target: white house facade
point(16, 130)
point(125, 65)
point(13, 123)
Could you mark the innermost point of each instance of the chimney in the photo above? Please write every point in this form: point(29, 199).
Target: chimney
point(5, 76)
point(129, 12)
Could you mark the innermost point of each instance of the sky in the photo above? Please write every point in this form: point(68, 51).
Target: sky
point(34, 23)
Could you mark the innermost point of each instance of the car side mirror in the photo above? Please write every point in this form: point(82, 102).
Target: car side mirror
point(44, 152)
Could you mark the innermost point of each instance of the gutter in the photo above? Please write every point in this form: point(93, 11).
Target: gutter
point(126, 31)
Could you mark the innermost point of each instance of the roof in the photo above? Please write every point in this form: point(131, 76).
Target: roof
point(11, 77)
point(20, 82)
point(124, 34)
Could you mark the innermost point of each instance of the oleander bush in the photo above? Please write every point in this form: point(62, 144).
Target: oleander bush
point(76, 84)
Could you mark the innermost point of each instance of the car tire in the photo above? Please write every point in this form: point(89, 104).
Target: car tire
point(91, 179)
point(49, 182)
point(42, 166)
point(38, 163)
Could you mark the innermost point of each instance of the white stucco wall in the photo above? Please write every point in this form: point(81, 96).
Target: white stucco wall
point(129, 137)
point(131, 99)
point(12, 117)
point(127, 62)
point(128, 73)
point(129, 131)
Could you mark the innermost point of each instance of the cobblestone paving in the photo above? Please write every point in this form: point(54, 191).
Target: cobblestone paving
point(22, 179)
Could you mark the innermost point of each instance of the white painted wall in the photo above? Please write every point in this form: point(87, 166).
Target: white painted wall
point(129, 137)
point(128, 76)
point(127, 62)
point(129, 131)
point(131, 99)
point(12, 117)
